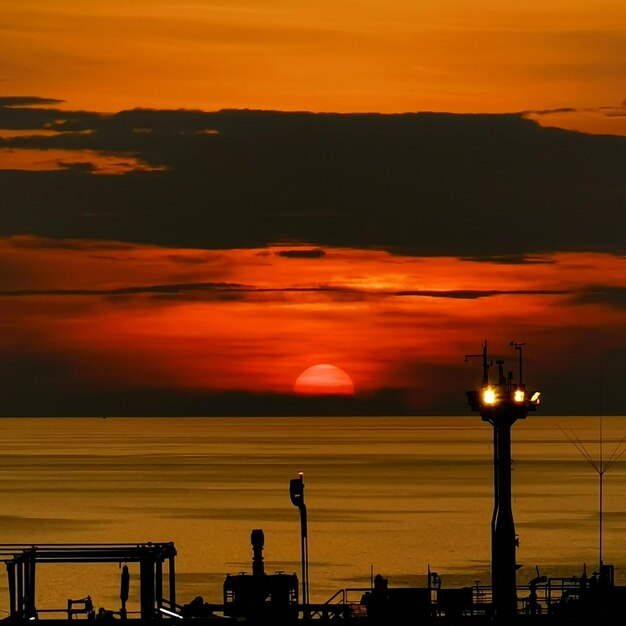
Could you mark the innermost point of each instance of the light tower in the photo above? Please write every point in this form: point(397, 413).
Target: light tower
point(501, 404)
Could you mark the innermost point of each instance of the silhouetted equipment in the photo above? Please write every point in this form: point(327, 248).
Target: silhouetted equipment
point(124, 590)
point(296, 492)
point(272, 600)
point(387, 605)
point(82, 606)
point(532, 606)
point(21, 561)
point(257, 538)
point(261, 598)
point(501, 404)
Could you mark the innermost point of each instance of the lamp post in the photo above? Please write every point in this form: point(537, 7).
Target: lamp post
point(501, 404)
point(296, 493)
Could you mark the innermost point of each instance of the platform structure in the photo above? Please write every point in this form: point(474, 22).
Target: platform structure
point(501, 404)
point(21, 562)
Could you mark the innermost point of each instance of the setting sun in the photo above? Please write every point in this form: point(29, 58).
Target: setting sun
point(324, 379)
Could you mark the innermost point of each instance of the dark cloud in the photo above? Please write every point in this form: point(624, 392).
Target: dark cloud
point(315, 253)
point(511, 260)
point(33, 118)
point(24, 101)
point(473, 294)
point(607, 111)
point(210, 289)
point(550, 111)
point(130, 291)
point(474, 186)
point(84, 166)
point(187, 259)
point(612, 296)
point(43, 243)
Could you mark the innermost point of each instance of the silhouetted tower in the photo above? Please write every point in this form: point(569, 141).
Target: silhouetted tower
point(502, 404)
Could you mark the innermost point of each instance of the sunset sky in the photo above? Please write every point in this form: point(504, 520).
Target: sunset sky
point(200, 200)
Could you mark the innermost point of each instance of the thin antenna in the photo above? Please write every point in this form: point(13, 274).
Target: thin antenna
point(485, 360)
point(518, 347)
point(601, 467)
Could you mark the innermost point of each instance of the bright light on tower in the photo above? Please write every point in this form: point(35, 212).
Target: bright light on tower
point(518, 396)
point(489, 396)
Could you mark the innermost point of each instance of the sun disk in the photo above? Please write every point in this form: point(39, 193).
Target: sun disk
point(324, 379)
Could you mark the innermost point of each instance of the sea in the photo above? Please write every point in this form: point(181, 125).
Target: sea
point(388, 495)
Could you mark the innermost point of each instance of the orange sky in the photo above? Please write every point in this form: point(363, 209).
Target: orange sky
point(514, 198)
point(365, 55)
point(255, 319)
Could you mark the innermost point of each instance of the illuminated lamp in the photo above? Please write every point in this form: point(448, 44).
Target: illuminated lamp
point(489, 396)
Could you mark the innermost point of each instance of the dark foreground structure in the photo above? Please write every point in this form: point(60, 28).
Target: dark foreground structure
point(282, 599)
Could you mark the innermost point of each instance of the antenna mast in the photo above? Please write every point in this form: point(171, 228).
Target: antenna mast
point(601, 467)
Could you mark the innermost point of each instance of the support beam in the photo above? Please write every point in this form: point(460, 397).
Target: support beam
point(12, 588)
point(146, 588)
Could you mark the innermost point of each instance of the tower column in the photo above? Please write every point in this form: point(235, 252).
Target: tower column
point(503, 541)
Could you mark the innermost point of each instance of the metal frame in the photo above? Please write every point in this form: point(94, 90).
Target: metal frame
point(21, 561)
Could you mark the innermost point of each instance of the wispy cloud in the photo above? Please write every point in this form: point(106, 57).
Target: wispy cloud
point(613, 296)
point(311, 253)
point(601, 120)
point(25, 101)
point(236, 327)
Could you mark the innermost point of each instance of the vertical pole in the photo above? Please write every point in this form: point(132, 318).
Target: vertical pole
point(159, 585)
point(172, 581)
point(485, 365)
point(503, 542)
point(305, 556)
point(29, 586)
point(32, 609)
point(601, 476)
point(26, 575)
point(12, 590)
point(601, 473)
point(296, 493)
point(20, 588)
point(146, 587)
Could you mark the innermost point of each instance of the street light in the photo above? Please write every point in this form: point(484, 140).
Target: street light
point(296, 493)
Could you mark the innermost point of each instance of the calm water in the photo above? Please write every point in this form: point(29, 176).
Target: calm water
point(395, 494)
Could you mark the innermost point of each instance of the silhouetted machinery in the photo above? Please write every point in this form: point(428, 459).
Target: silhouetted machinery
point(272, 600)
point(23, 561)
point(261, 598)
